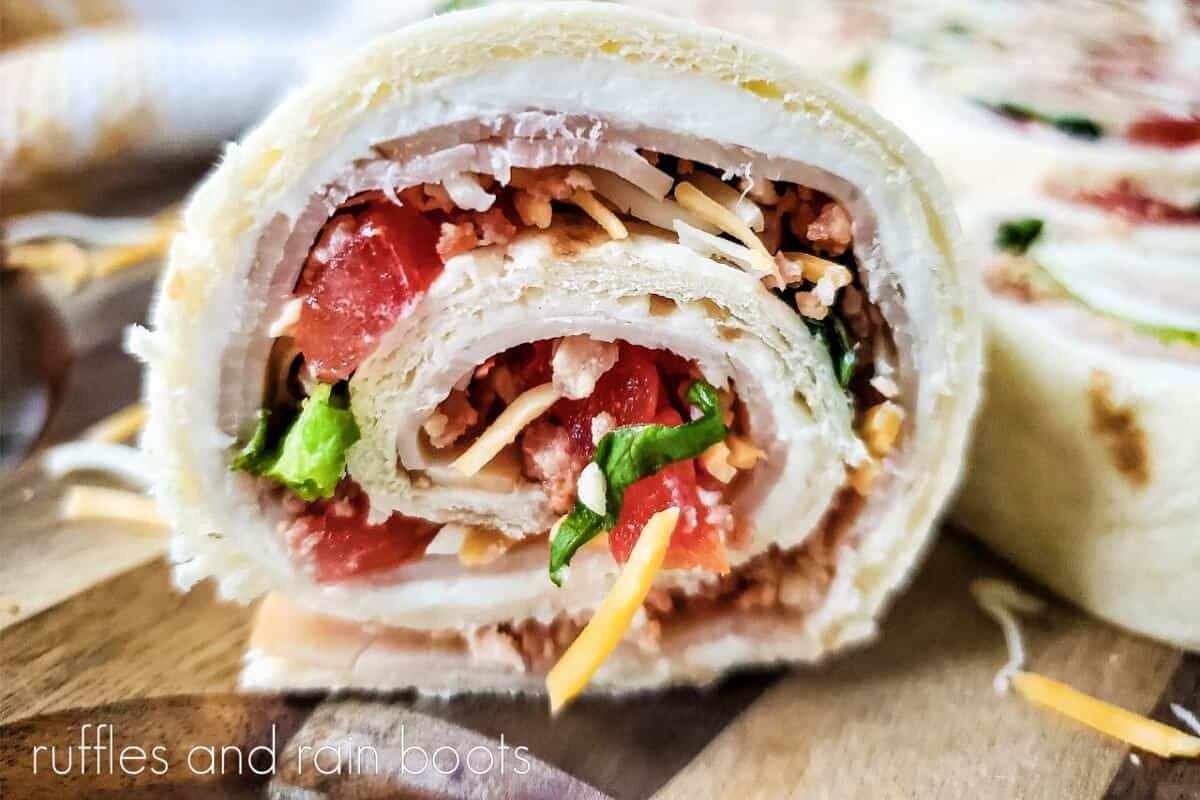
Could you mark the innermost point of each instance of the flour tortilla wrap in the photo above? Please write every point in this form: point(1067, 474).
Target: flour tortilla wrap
point(501, 93)
point(1090, 177)
point(1040, 98)
point(1085, 451)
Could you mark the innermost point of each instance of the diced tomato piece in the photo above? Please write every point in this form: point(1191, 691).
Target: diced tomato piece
point(364, 273)
point(1164, 131)
point(694, 543)
point(335, 535)
point(1130, 202)
point(631, 391)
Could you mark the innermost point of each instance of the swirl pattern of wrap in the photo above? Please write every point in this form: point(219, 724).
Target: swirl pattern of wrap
point(499, 94)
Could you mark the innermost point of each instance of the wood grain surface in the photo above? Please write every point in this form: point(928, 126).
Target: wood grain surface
point(913, 716)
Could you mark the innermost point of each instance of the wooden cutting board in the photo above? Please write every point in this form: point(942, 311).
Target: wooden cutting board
point(105, 639)
point(92, 633)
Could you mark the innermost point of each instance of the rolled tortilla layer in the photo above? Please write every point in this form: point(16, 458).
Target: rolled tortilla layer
point(959, 110)
point(1082, 463)
point(1079, 473)
point(489, 92)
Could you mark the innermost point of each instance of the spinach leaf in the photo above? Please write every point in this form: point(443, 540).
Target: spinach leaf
point(1076, 125)
point(1017, 235)
point(307, 454)
point(627, 454)
point(832, 334)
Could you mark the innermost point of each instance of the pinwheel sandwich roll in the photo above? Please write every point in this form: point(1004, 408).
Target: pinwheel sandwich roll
point(1079, 118)
point(447, 332)
point(1086, 451)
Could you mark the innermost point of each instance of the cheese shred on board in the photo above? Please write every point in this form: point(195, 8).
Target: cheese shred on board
point(1131, 728)
point(1000, 599)
point(527, 407)
point(604, 631)
point(118, 426)
point(96, 502)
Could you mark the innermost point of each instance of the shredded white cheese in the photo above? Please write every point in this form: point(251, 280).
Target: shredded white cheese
point(110, 231)
point(698, 202)
point(140, 343)
point(95, 502)
point(467, 193)
point(289, 315)
point(711, 246)
point(825, 291)
point(746, 209)
point(999, 600)
point(885, 386)
point(118, 426)
point(448, 541)
point(629, 199)
point(1186, 717)
point(121, 461)
point(592, 489)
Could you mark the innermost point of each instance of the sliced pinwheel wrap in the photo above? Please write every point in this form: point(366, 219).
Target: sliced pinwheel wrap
point(513, 267)
point(1085, 451)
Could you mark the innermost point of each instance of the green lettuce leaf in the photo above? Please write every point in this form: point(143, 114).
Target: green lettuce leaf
point(627, 454)
point(1045, 286)
point(309, 455)
point(1017, 235)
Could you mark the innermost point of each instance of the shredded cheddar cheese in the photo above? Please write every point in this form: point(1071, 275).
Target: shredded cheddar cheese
point(1131, 728)
point(1001, 600)
point(742, 454)
point(601, 213)
point(527, 407)
point(881, 426)
point(119, 460)
point(744, 208)
point(604, 631)
point(95, 502)
point(705, 207)
point(119, 426)
point(636, 202)
point(862, 477)
point(482, 546)
point(706, 244)
point(814, 268)
point(65, 258)
point(715, 461)
point(533, 210)
point(79, 264)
